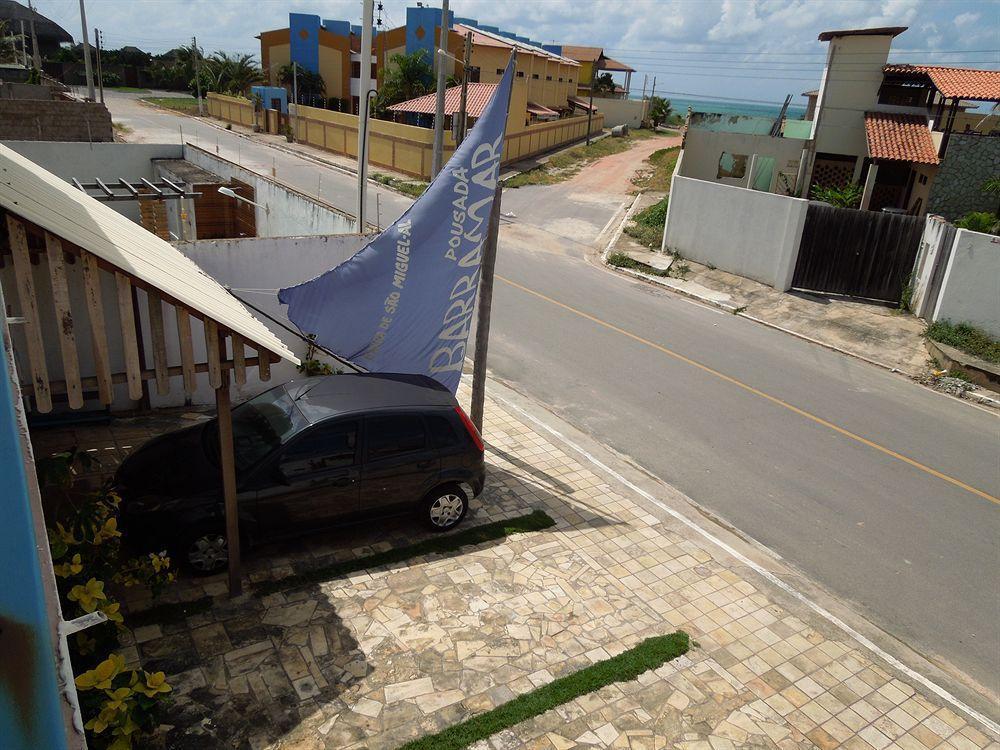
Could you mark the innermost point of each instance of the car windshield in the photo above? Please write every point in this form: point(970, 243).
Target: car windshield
point(259, 426)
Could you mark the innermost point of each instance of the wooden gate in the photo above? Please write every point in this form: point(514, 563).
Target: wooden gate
point(857, 253)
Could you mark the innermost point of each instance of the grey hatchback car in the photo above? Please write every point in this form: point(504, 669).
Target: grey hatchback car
point(310, 455)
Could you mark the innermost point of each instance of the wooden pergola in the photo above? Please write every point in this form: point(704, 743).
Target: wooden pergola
point(48, 221)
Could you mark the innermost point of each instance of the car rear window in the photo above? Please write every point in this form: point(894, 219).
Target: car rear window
point(442, 431)
point(395, 435)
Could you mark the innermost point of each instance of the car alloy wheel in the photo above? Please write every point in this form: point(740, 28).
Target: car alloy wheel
point(208, 553)
point(446, 510)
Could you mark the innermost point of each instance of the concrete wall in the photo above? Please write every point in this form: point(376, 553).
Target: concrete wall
point(629, 112)
point(34, 120)
point(745, 232)
point(285, 212)
point(704, 148)
point(957, 189)
point(37, 91)
point(931, 254)
point(970, 291)
point(104, 161)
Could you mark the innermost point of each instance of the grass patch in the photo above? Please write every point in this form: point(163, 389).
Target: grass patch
point(534, 521)
point(162, 614)
point(649, 654)
point(127, 89)
point(563, 165)
point(968, 338)
point(414, 188)
point(121, 128)
point(621, 260)
point(647, 225)
point(662, 164)
point(187, 104)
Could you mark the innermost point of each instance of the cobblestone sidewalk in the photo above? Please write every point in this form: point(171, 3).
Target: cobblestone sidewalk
point(391, 654)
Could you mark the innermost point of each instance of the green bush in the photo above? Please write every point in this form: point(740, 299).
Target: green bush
point(843, 196)
point(980, 221)
point(966, 337)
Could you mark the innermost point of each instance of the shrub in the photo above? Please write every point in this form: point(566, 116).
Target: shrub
point(843, 196)
point(980, 221)
point(966, 337)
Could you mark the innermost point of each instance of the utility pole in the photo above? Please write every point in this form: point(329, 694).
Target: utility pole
point(439, 98)
point(463, 125)
point(24, 47)
point(485, 298)
point(653, 92)
point(645, 78)
point(590, 112)
point(100, 74)
point(197, 72)
point(36, 56)
point(364, 91)
point(86, 53)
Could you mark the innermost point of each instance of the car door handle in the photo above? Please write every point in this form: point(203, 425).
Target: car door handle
point(343, 481)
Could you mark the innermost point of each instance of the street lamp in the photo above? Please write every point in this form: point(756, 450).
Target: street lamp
point(230, 193)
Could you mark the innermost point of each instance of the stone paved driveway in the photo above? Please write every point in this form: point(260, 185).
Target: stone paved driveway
point(381, 657)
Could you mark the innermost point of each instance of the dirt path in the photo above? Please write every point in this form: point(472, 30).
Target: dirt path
point(613, 174)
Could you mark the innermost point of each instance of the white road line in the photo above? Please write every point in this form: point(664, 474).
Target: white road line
point(771, 577)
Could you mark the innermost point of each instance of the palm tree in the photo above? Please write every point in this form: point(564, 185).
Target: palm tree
point(232, 74)
point(408, 77)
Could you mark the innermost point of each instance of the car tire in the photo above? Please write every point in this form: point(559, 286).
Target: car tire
point(206, 552)
point(444, 508)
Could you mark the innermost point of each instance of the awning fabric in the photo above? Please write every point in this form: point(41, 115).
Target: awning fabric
point(538, 109)
point(581, 103)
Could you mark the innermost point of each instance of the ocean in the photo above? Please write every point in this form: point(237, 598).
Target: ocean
point(680, 105)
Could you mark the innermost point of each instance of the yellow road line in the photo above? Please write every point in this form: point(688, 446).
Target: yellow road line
point(758, 392)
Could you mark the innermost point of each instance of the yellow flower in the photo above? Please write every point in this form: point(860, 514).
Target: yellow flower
point(71, 568)
point(101, 676)
point(66, 536)
point(117, 698)
point(89, 595)
point(112, 612)
point(108, 531)
point(155, 683)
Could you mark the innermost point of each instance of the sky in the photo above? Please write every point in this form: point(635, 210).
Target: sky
point(740, 49)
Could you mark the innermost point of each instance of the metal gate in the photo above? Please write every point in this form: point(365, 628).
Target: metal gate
point(857, 253)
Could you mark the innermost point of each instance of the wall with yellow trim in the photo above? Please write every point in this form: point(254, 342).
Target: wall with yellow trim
point(405, 148)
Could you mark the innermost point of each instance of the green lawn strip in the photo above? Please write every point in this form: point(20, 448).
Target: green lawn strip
point(966, 337)
point(163, 614)
point(127, 89)
point(534, 521)
point(649, 654)
point(413, 188)
point(621, 260)
point(663, 163)
point(180, 103)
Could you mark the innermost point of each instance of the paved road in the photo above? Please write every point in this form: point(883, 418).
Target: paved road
point(862, 480)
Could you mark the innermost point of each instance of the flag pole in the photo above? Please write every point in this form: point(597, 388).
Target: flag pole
point(486, 274)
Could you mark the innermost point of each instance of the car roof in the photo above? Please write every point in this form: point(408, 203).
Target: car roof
point(320, 398)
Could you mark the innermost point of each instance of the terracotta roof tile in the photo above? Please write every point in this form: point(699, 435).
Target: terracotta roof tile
point(960, 83)
point(899, 138)
point(479, 96)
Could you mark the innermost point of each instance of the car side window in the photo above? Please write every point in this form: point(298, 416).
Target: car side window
point(441, 430)
point(321, 448)
point(396, 435)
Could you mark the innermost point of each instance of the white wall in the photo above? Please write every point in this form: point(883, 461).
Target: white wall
point(970, 291)
point(289, 213)
point(703, 149)
point(746, 232)
point(928, 257)
point(629, 112)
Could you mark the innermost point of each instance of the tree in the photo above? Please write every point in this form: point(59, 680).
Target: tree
point(232, 74)
point(659, 110)
point(842, 196)
point(310, 85)
point(604, 84)
point(407, 77)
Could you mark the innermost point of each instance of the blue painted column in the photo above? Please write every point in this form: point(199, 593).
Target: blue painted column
point(31, 714)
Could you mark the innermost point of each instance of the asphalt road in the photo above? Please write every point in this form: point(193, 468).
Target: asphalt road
point(869, 484)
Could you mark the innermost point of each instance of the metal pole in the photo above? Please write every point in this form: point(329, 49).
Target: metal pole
point(463, 125)
point(295, 96)
point(485, 302)
point(364, 89)
point(100, 74)
point(437, 159)
point(86, 54)
point(197, 72)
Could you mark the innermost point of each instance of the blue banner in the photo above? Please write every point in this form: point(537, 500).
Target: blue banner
point(406, 301)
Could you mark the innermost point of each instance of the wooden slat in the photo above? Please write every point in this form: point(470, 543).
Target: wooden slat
point(159, 342)
point(130, 341)
point(239, 360)
point(212, 349)
point(98, 334)
point(264, 364)
point(65, 323)
point(29, 311)
point(187, 349)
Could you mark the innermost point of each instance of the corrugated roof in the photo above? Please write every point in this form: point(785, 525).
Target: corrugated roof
point(899, 138)
point(584, 54)
point(956, 83)
point(489, 39)
point(479, 96)
point(42, 198)
point(892, 31)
